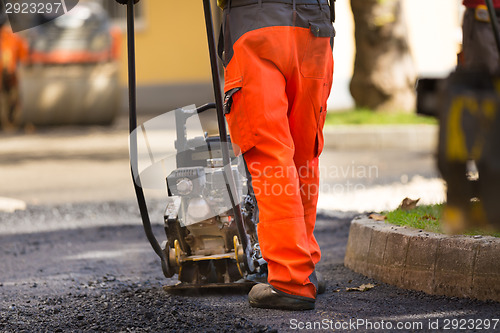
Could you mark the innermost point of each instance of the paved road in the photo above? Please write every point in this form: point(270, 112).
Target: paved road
point(77, 259)
point(88, 268)
point(91, 164)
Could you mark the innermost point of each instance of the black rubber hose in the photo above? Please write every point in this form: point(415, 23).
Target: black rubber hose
point(141, 200)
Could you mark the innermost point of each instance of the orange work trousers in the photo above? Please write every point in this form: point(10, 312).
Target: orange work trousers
point(277, 83)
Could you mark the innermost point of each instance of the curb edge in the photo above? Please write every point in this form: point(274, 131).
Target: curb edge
point(454, 266)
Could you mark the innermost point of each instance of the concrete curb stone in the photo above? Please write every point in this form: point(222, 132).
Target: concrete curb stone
point(455, 266)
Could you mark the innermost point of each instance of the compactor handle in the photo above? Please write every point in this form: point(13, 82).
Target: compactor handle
point(139, 193)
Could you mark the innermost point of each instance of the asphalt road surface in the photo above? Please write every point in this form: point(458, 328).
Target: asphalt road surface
point(76, 259)
point(81, 164)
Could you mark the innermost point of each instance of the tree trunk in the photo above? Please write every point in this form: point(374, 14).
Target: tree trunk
point(384, 73)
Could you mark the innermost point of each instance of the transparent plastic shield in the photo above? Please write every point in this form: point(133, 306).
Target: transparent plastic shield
point(180, 153)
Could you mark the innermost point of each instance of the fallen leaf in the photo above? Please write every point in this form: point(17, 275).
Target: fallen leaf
point(408, 204)
point(377, 217)
point(336, 291)
point(363, 287)
point(428, 217)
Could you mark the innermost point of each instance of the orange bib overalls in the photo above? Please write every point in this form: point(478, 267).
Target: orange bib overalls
point(278, 75)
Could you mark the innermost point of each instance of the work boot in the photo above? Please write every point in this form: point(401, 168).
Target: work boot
point(264, 296)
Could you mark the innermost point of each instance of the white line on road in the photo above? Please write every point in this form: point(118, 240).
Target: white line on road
point(358, 198)
point(10, 205)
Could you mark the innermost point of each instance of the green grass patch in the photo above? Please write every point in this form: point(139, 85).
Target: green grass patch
point(369, 117)
point(425, 217)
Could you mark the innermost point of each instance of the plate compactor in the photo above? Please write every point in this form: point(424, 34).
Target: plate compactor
point(211, 214)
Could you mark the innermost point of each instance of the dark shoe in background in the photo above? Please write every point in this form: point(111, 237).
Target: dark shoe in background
point(321, 283)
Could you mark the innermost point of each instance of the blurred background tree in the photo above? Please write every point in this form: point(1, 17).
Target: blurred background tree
point(384, 72)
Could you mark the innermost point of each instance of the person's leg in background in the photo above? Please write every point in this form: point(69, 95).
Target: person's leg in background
point(479, 47)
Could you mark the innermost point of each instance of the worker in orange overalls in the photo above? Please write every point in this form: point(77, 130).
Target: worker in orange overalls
point(278, 75)
point(13, 49)
point(479, 50)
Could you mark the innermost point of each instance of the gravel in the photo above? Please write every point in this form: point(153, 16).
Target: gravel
point(89, 268)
